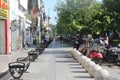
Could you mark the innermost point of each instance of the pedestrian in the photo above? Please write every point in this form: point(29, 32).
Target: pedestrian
point(61, 38)
point(56, 38)
point(77, 42)
point(106, 41)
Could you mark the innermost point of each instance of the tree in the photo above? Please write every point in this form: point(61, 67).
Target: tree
point(73, 15)
point(113, 10)
point(112, 5)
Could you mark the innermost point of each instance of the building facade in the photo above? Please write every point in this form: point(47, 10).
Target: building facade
point(36, 10)
point(20, 21)
point(4, 27)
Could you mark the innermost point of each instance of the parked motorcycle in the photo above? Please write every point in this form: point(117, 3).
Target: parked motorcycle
point(26, 45)
point(112, 55)
point(93, 51)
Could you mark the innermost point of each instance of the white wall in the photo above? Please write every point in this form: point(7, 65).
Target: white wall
point(13, 9)
point(24, 3)
point(13, 6)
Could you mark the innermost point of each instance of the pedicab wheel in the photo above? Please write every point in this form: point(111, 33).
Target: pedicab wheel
point(97, 60)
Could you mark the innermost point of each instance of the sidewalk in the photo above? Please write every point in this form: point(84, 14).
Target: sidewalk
point(6, 59)
point(56, 63)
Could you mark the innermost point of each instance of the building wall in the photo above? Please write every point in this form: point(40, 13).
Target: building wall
point(4, 38)
point(25, 23)
point(14, 32)
point(18, 9)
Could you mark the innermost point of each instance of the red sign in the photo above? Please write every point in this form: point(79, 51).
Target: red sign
point(35, 12)
point(3, 5)
point(3, 8)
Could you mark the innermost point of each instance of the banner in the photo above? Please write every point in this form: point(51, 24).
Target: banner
point(3, 9)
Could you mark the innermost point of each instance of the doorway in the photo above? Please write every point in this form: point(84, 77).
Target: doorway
point(2, 36)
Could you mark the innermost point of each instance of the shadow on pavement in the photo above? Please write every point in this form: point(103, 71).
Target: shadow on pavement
point(82, 77)
point(78, 71)
point(66, 61)
point(76, 67)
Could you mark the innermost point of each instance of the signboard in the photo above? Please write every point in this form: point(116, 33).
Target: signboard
point(18, 43)
point(3, 9)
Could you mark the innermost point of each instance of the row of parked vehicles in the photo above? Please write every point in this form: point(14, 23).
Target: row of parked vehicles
point(98, 52)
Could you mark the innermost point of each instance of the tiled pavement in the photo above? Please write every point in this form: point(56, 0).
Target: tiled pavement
point(6, 59)
point(55, 63)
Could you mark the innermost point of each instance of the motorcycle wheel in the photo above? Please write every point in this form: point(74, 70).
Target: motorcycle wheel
point(26, 47)
point(97, 60)
point(117, 62)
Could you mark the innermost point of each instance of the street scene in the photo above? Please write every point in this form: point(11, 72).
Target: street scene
point(55, 63)
point(59, 40)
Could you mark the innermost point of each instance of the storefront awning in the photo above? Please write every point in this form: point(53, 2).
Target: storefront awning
point(1, 17)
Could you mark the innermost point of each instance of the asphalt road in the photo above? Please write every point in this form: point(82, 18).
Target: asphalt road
point(113, 69)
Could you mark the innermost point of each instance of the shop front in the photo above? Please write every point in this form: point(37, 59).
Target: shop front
point(4, 29)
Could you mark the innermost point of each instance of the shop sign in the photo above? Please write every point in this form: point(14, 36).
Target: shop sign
point(3, 8)
point(18, 43)
point(35, 12)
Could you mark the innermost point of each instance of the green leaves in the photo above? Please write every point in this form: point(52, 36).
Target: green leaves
point(87, 16)
point(74, 15)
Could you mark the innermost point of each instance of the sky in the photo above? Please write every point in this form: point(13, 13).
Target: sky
point(49, 8)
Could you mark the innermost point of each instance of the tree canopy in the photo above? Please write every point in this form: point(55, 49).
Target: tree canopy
point(87, 16)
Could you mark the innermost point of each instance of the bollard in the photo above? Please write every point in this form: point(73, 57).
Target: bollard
point(78, 55)
point(93, 69)
point(73, 54)
point(16, 69)
point(90, 67)
point(83, 60)
point(25, 60)
point(33, 55)
point(88, 61)
point(39, 50)
point(101, 74)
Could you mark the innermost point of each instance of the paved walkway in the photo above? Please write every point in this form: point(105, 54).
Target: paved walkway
point(6, 59)
point(56, 63)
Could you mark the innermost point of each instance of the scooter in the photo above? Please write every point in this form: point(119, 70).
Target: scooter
point(84, 46)
point(93, 51)
point(112, 55)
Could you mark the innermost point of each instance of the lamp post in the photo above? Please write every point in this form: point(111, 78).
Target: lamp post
point(42, 14)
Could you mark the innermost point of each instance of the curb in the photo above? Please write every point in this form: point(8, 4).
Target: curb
point(3, 73)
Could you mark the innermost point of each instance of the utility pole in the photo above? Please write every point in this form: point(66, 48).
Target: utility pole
point(48, 15)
